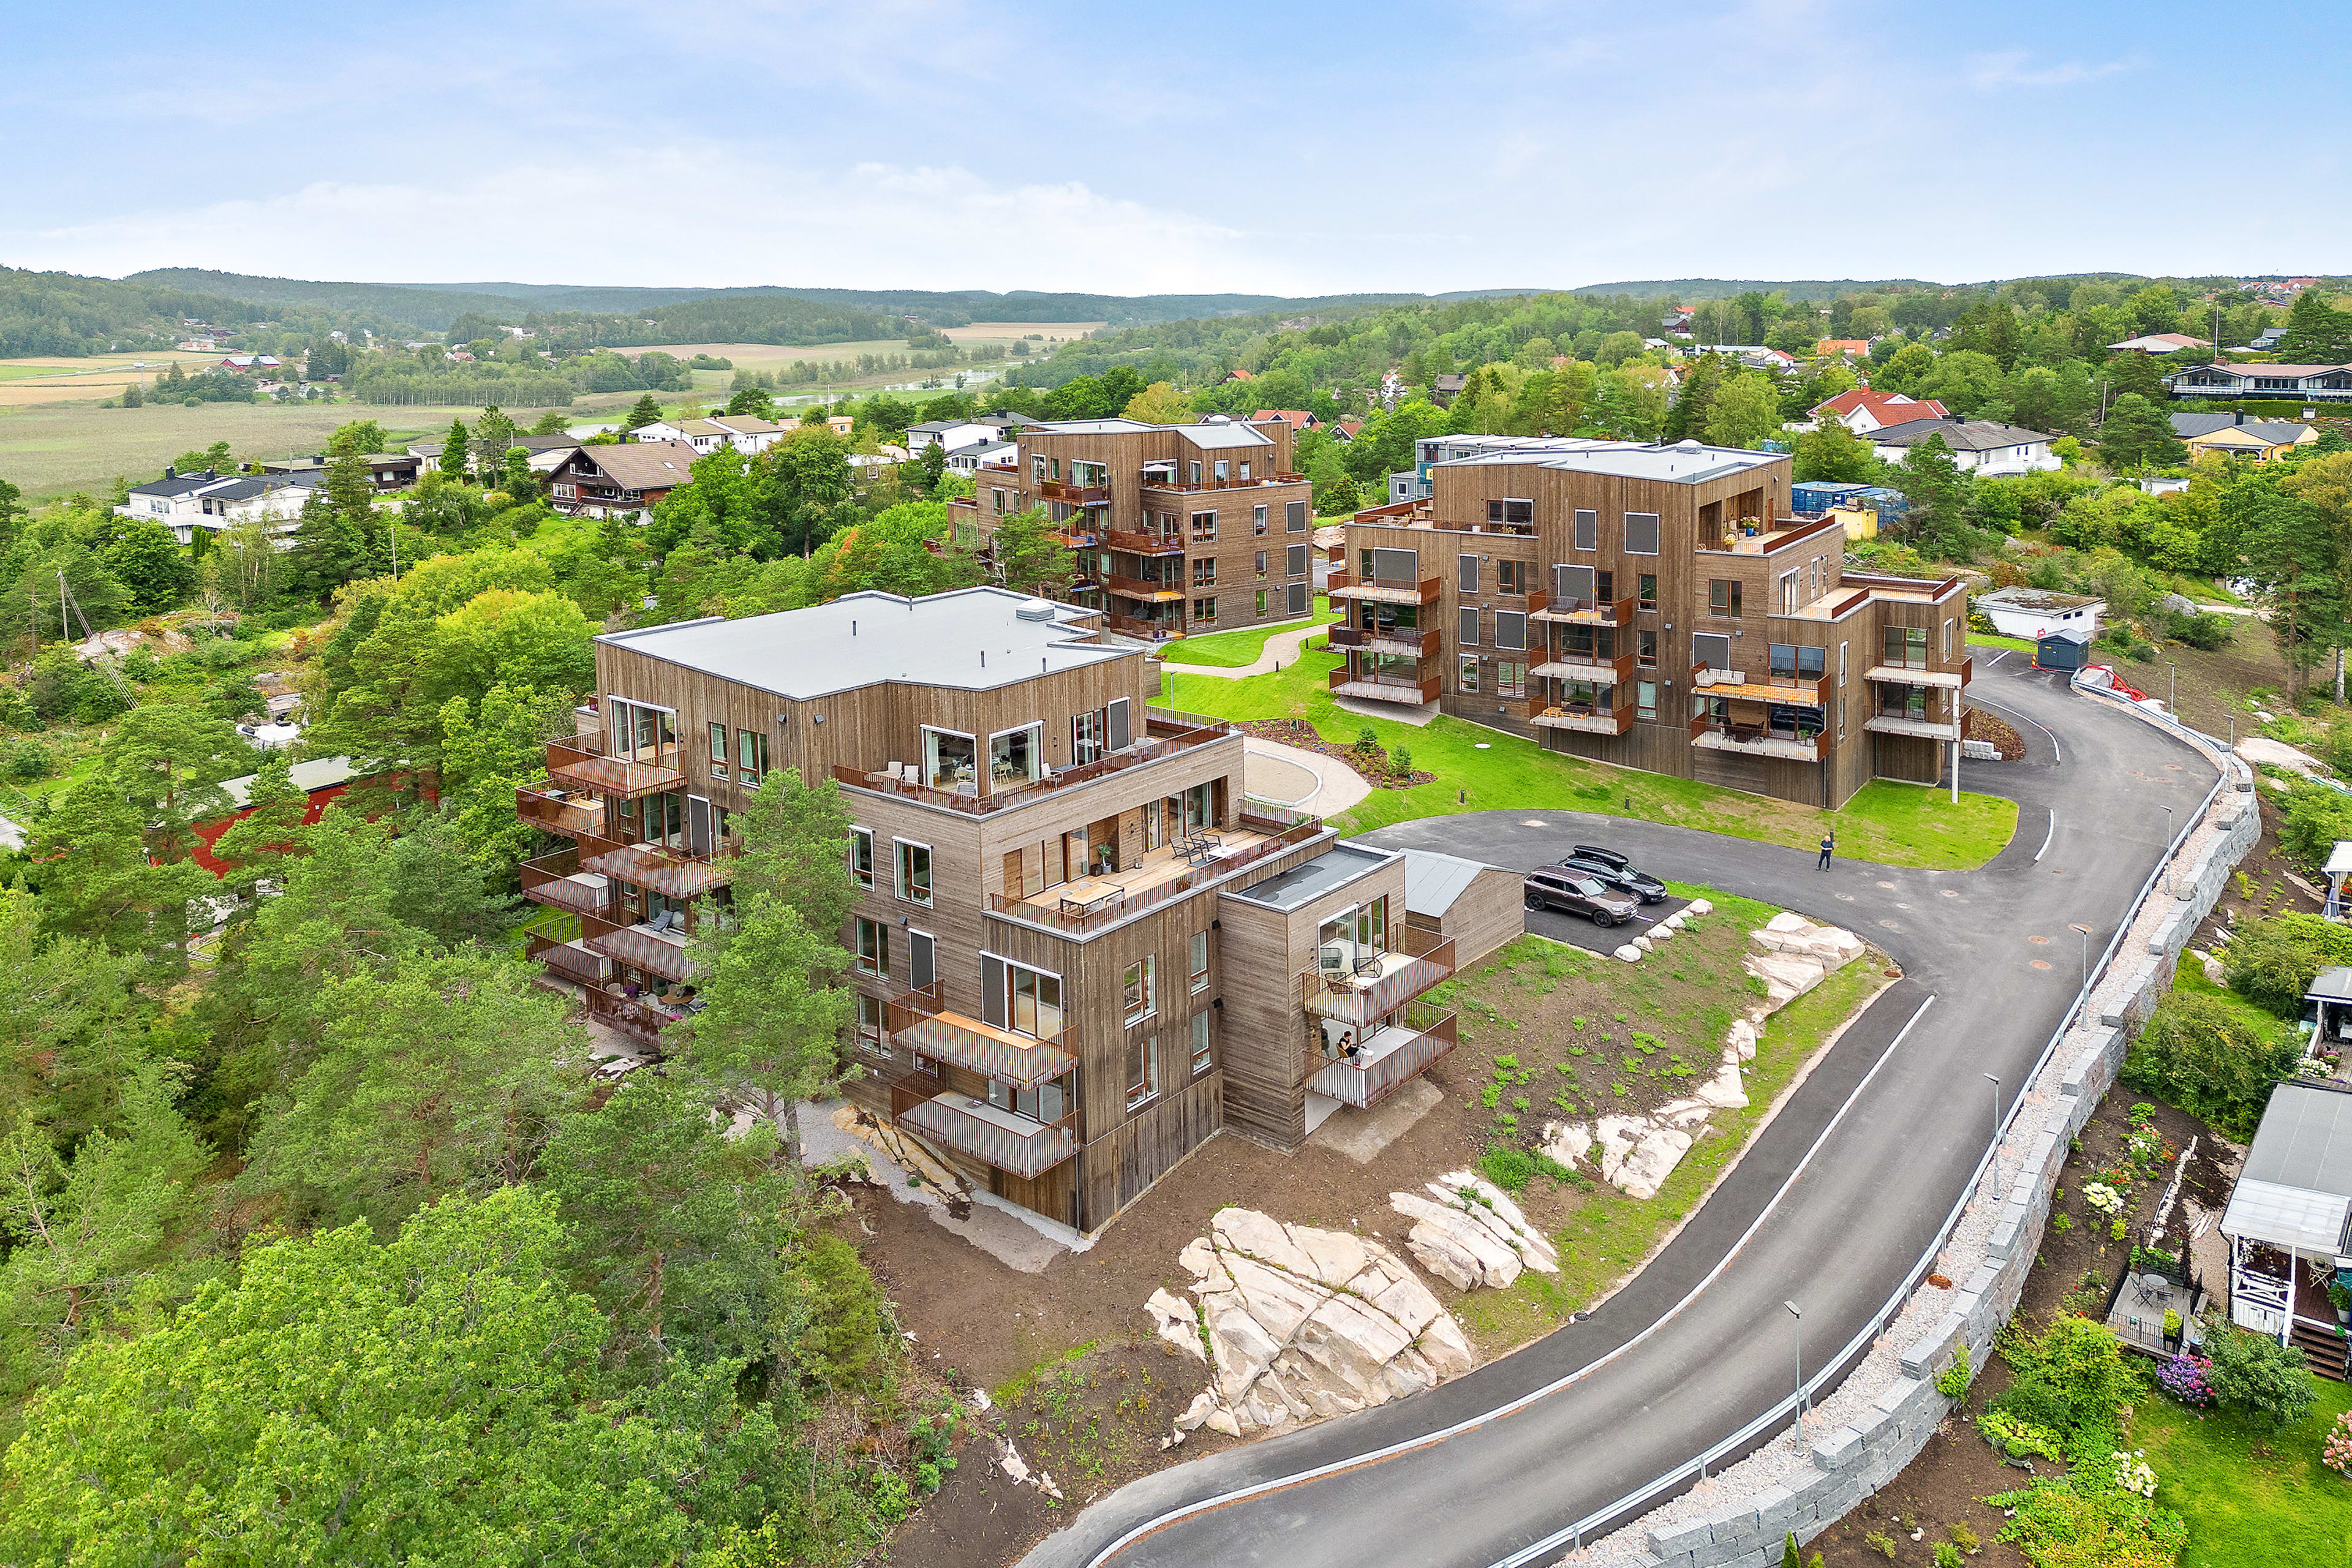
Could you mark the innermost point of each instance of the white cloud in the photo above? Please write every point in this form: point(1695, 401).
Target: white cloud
point(1990, 73)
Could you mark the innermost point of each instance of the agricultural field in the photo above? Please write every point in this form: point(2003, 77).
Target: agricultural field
point(29, 383)
point(1054, 333)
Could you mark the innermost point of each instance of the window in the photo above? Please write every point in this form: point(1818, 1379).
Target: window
point(1469, 578)
point(1511, 630)
point(1000, 500)
point(1196, 962)
point(1511, 677)
point(1261, 603)
point(1511, 578)
point(1511, 514)
point(861, 856)
point(1294, 517)
point(717, 750)
point(1089, 474)
point(1641, 533)
point(1013, 757)
point(1645, 650)
point(1143, 1071)
point(1466, 634)
point(1115, 716)
point(1467, 678)
point(1138, 993)
point(1648, 591)
point(1296, 597)
point(643, 733)
point(1711, 650)
point(1224, 470)
point(1086, 736)
point(1046, 1102)
point(1947, 642)
point(1645, 699)
point(914, 883)
point(1246, 470)
point(1294, 561)
point(870, 1024)
point(1258, 521)
point(950, 759)
point(1907, 647)
point(1038, 467)
point(1205, 609)
point(1788, 592)
point(922, 960)
point(1587, 530)
point(1723, 598)
point(1842, 666)
point(751, 755)
point(873, 947)
point(1035, 999)
point(1193, 469)
point(1056, 466)
point(1205, 528)
point(1200, 1042)
point(1260, 565)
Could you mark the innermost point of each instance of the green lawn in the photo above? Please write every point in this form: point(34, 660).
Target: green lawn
point(1231, 650)
point(1989, 639)
point(2251, 1496)
point(1479, 769)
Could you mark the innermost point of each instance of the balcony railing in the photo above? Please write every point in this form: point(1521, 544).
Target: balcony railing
point(922, 1023)
point(1154, 482)
point(1392, 1058)
point(557, 880)
point(1149, 592)
point(1923, 674)
point(579, 763)
point(1137, 627)
point(1282, 838)
point(1401, 642)
point(637, 947)
point(1380, 983)
point(1586, 717)
point(1800, 690)
point(1752, 740)
point(1148, 750)
point(1005, 1140)
point(1384, 688)
point(1386, 590)
point(673, 873)
point(1571, 664)
point(571, 959)
point(1587, 611)
point(559, 812)
point(1143, 544)
point(1075, 495)
point(641, 1021)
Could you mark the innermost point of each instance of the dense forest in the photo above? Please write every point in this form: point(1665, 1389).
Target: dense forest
point(58, 313)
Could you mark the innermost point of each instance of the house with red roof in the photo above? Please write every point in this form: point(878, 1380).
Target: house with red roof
point(1862, 410)
point(1297, 418)
point(1344, 430)
point(1846, 348)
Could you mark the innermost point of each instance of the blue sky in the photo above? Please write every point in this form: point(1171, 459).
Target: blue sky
point(1137, 148)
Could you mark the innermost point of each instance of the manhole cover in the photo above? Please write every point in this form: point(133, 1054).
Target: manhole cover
point(1890, 925)
point(2040, 964)
point(1888, 886)
point(2042, 940)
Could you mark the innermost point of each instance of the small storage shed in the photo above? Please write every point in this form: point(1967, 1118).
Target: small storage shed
point(2287, 1219)
point(2037, 612)
point(2331, 1000)
point(1480, 907)
point(2068, 650)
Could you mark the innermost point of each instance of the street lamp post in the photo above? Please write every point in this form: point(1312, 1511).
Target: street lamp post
point(1993, 1161)
point(1798, 1338)
point(2172, 704)
point(2082, 999)
point(2167, 854)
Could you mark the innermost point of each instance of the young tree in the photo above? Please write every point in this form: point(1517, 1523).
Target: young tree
point(489, 749)
point(1830, 451)
point(2293, 556)
point(1745, 411)
point(453, 450)
point(70, 1029)
point(644, 411)
point(494, 433)
point(256, 845)
point(146, 560)
point(1158, 404)
point(1031, 557)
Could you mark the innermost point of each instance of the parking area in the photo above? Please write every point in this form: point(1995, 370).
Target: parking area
point(1578, 932)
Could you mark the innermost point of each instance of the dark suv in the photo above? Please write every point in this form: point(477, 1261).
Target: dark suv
point(1606, 866)
point(1555, 888)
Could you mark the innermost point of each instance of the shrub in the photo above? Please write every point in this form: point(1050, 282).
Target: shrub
point(2057, 1522)
point(30, 760)
point(1946, 1555)
point(1953, 1381)
point(2272, 962)
point(2270, 1381)
point(2069, 1379)
point(892, 1496)
point(2019, 1438)
point(2337, 1450)
point(2210, 1060)
point(1964, 1538)
point(1878, 1540)
point(845, 1333)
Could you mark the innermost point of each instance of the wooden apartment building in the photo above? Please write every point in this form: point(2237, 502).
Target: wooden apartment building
point(1177, 529)
point(1656, 607)
point(1077, 951)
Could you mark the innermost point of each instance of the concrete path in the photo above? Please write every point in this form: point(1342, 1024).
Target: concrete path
point(1696, 1344)
point(1336, 786)
point(1281, 650)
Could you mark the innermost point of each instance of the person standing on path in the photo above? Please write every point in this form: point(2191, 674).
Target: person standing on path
point(1829, 842)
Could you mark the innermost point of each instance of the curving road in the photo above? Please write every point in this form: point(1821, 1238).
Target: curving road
point(1668, 1369)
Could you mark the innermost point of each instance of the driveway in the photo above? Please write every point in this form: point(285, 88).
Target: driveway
point(1664, 1367)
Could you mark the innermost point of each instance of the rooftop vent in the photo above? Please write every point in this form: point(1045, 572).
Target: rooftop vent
point(1688, 444)
point(1036, 610)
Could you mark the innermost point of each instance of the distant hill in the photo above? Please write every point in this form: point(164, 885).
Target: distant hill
point(1692, 290)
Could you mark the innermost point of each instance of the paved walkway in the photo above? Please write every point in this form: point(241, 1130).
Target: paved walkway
point(1281, 649)
point(1338, 787)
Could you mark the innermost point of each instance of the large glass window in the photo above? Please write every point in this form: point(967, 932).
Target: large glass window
point(1143, 1071)
point(1033, 999)
point(861, 856)
point(1200, 1042)
point(1013, 757)
point(643, 733)
point(870, 1024)
point(949, 759)
point(751, 756)
point(914, 882)
point(1140, 989)
point(1086, 736)
point(1907, 647)
point(1197, 962)
point(1641, 533)
point(873, 947)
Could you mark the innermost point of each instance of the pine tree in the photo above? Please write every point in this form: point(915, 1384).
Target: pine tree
point(2138, 436)
point(644, 412)
point(1789, 1557)
point(453, 450)
point(2316, 333)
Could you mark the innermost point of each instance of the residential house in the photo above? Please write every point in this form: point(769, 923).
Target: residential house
point(841, 425)
point(2233, 434)
point(2033, 613)
point(1177, 528)
point(196, 505)
point(391, 471)
point(1445, 388)
point(1235, 374)
point(2158, 344)
point(1755, 356)
point(1299, 420)
point(2309, 383)
point(623, 480)
point(948, 433)
point(1983, 447)
point(1841, 348)
point(250, 363)
point(1079, 952)
point(1344, 431)
point(2289, 1219)
point(322, 781)
point(1596, 595)
point(547, 452)
point(997, 457)
point(1861, 410)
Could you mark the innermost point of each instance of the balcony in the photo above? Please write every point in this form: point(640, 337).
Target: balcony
point(1075, 495)
point(923, 1024)
point(1385, 590)
point(1802, 692)
point(1162, 876)
point(1384, 688)
point(1075, 537)
point(1572, 665)
point(1379, 984)
point(580, 763)
point(570, 960)
point(1756, 741)
point(571, 814)
point(1157, 481)
point(1563, 609)
point(671, 873)
point(659, 953)
point(1382, 1065)
point(1137, 627)
point(1954, 676)
point(1396, 642)
point(640, 1019)
point(1004, 1139)
point(1583, 718)
point(1149, 593)
point(1171, 740)
point(558, 881)
point(1135, 544)
point(1897, 721)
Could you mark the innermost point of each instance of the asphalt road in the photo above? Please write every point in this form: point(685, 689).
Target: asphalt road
point(1666, 1368)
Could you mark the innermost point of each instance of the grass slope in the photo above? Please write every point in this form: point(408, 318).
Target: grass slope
point(1480, 769)
point(2251, 1495)
point(1231, 650)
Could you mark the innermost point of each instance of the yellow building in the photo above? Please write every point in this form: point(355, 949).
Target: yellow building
point(2235, 436)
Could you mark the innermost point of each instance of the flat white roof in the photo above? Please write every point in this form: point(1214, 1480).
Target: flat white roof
point(1685, 462)
point(972, 639)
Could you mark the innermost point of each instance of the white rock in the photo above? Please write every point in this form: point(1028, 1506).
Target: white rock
point(1630, 953)
point(1643, 942)
point(1652, 1162)
point(1451, 1234)
point(1788, 971)
point(1567, 1141)
point(1662, 933)
point(1723, 1088)
point(1740, 1038)
point(1699, 907)
point(1222, 1420)
point(1673, 922)
point(1203, 1405)
point(1013, 1465)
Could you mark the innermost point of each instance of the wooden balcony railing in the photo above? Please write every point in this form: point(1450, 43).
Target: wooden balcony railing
point(1283, 837)
point(579, 763)
point(568, 959)
point(1003, 1139)
point(1384, 688)
point(642, 1021)
point(1144, 589)
point(1386, 590)
point(1572, 664)
point(673, 873)
point(1380, 983)
point(1561, 713)
point(554, 880)
point(1803, 691)
point(559, 812)
point(1143, 544)
point(1387, 1065)
point(1402, 642)
point(1075, 495)
point(1587, 611)
point(636, 947)
point(1154, 482)
point(922, 1023)
point(1166, 741)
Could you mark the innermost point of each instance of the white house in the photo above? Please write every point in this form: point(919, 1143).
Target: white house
point(1862, 410)
point(2312, 384)
point(208, 502)
point(1983, 447)
point(2160, 343)
point(2033, 612)
point(744, 432)
point(969, 460)
point(2288, 1214)
point(949, 433)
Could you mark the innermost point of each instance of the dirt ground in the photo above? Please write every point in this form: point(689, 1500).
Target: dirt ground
point(2076, 1270)
point(2212, 687)
point(1086, 1392)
